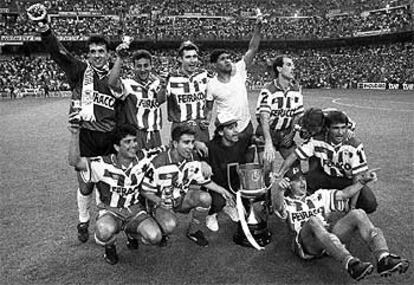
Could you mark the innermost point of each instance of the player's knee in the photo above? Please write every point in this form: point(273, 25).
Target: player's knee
point(358, 214)
point(167, 221)
point(151, 233)
point(205, 200)
point(86, 188)
point(105, 230)
point(169, 225)
point(367, 200)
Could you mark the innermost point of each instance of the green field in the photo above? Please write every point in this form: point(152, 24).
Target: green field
point(39, 216)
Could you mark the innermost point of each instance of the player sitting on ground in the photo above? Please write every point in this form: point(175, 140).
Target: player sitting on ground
point(313, 236)
point(173, 182)
point(118, 180)
point(341, 161)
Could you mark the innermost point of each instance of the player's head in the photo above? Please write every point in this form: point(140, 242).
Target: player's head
point(142, 63)
point(312, 123)
point(226, 130)
point(188, 56)
point(125, 141)
point(221, 60)
point(337, 126)
point(98, 51)
point(298, 185)
point(283, 67)
point(183, 140)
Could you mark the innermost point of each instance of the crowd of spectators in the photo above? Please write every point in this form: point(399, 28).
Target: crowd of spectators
point(161, 20)
point(341, 67)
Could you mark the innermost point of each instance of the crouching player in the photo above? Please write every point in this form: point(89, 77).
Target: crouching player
point(313, 236)
point(118, 180)
point(174, 182)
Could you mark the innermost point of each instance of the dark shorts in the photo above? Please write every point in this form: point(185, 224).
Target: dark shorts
point(280, 139)
point(245, 136)
point(317, 179)
point(94, 143)
point(148, 140)
point(201, 133)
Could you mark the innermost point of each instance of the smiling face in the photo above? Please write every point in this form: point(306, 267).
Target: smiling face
point(298, 187)
point(189, 60)
point(127, 147)
point(142, 68)
point(185, 145)
point(230, 134)
point(224, 63)
point(98, 55)
point(336, 132)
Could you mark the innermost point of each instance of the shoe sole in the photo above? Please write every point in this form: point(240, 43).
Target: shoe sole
point(365, 273)
point(401, 267)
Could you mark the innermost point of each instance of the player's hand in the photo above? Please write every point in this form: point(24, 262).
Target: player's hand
point(369, 176)
point(287, 137)
point(122, 50)
point(206, 169)
point(229, 198)
point(204, 124)
point(269, 154)
point(284, 184)
point(74, 122)
point(201, 148)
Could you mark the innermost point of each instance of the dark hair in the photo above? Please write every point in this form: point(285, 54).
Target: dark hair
point(141, 53)
point(122, 131)
point(215, 54)
point(98, 40)
point(277, 62)
point(336, 117)
point(180, 130)
point(187, 45)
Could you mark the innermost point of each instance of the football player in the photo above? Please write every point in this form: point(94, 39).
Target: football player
point(306, 216)
point(173, 183)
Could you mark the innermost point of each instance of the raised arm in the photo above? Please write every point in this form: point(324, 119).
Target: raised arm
point(254, 42)
point(350, 191)
point(277, 196)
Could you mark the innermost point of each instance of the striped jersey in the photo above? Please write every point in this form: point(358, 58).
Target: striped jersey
point(297, 212)
point(141, 107)
point(282, 106)
point(346, 159)
point(166, 174)
point(186, 96)
point(118, 186)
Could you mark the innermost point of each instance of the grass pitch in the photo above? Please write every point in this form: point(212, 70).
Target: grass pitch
point(39, 217)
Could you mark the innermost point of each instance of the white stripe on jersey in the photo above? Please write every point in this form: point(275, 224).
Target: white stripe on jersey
point(282, 106)
point(189, 96)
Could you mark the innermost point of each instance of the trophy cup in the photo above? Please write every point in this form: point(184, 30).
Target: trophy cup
point(252, 229)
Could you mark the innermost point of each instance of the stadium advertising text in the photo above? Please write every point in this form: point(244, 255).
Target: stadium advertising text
point(385, 86)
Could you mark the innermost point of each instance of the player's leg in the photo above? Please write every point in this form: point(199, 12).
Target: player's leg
point(314, 238)
point(217, 204)
point(199, 202)
point(84, 200)
point(358, 220)
point(107, 226)
point(144, 226)
point(167, 221)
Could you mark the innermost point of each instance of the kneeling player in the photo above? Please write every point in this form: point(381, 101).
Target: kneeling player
point(313, 236)
point(118, 180)
point(174, 182)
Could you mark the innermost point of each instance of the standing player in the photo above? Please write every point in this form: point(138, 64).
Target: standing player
point(118, 177)
point(306, 216)
point(228, 87)
point(342, 160)
point(279, 107)
point(174, 181)
point(143, 96)
point(186, 95)
point(90, 93)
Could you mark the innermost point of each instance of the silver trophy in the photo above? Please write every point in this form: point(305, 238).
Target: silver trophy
point(250, 197)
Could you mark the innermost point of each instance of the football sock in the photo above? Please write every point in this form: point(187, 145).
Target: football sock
point(84, 202)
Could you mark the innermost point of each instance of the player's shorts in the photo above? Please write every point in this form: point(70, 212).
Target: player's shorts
point(94, 143)
point(298, 249)
point(148, 139)
point(280, 139)
point(201, 133)
point(245, 136)
point(136, 213)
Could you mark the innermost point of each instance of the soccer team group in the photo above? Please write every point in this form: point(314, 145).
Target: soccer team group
point(116, 148)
